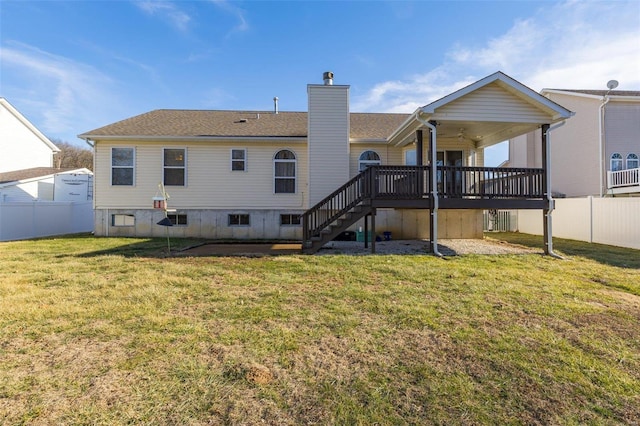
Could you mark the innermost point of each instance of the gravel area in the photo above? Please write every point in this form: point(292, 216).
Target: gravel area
point(446, 247)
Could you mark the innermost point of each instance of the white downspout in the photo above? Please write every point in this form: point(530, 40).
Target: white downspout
point(605, 101)
point(434, 185)
point(550, 201)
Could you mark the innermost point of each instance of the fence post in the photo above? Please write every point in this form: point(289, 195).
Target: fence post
point(590, 198)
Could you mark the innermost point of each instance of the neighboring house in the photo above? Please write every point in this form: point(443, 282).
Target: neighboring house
point(312, 175)
point(22, 145)
point(46, 184)
point(597, 152)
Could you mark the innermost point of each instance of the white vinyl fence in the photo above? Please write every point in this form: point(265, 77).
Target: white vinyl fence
point(33, 219)
point(500, 220)
point(612, 221)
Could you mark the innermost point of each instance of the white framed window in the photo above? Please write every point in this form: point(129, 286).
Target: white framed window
point(290, 219)
point(410, 158)
point(241, 219)
point(368, 158)
point(122, 166)
point(632, 161)
point(177, 219)
point(284, 172)
point(238, 160)
point(616, 162)
point(174, 162)
point(123, 220)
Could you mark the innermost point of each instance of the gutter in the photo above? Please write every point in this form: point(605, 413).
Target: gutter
point(144, 138)
point(405, 125)
point(621, 98)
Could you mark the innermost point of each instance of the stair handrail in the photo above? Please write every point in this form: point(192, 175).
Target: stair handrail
point(361, 188)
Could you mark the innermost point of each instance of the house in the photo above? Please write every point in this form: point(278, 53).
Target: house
point(46, 184)
point(22, 145)
point(312, 175)
point(595, 153)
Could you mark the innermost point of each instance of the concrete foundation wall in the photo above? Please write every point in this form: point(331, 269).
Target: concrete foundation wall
point(265, 224)
point(410, 224)
point(214, 224)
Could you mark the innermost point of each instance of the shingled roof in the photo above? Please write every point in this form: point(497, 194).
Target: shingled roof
point(32, 173)
point(266, 124)
point(601, 92)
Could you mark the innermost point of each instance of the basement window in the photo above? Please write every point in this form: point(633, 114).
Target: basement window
point(178, 219)
point(289, 219)
point(123, 220)
point(239, 220)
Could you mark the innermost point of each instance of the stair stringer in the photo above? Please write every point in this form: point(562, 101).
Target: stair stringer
point(333, 230)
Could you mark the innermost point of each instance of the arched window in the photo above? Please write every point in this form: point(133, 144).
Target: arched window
point(368, 158)
point(284, 172)
point(616, 162)
point(632, 161)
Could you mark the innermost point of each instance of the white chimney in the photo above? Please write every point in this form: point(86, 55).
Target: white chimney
point(275, 104)
point(327, 138)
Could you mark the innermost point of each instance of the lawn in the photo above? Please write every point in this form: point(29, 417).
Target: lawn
point(111, 331)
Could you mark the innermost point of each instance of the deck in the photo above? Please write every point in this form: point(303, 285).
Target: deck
point(623, 181)
point(410, 187)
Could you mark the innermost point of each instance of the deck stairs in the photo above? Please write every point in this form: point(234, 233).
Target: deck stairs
point(337, 212)
point(340, 225)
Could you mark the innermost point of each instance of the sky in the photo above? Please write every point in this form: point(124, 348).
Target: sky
point(73, 66)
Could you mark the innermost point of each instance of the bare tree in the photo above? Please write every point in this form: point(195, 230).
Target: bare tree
point(72, 156)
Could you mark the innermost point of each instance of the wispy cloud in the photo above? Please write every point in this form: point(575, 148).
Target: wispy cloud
point(237, 12)
point(216, 97)
point(166, 10)
point(572, 45)
point(58, 91)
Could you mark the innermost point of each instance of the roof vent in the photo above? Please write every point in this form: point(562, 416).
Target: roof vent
point(275, 104)
point(328, 78)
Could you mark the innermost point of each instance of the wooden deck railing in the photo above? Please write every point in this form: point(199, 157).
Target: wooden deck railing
point(621, 178)
point(412, 182)
point(489, 182)
point(336, 204)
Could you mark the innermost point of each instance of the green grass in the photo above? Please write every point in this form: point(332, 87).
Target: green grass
point(110, 331)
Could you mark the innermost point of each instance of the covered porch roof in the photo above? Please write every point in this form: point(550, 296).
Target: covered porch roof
point(489, 111)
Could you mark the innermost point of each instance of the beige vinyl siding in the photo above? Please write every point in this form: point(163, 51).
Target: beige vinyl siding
point(526, 150)
point(479, 160)
point(622, 130)
point(210, 183)
point(574, 148)
point(388, 155)
point(328, 135)
point(491, 103)
point(466, 147)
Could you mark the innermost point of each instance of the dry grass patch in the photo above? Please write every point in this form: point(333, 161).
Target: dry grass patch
point(109, 331)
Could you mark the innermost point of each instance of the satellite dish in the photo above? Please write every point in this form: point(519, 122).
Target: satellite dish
point(612, 84)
